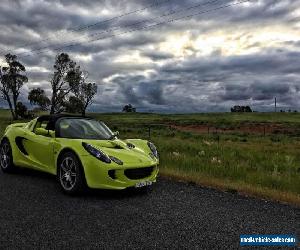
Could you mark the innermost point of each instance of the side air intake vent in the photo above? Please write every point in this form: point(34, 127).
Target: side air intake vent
point(19, 143)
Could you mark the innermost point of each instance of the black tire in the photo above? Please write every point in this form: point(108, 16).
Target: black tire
point(70, 174)
point(6, 157)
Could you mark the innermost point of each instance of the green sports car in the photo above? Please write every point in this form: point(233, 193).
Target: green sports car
point(81, 152)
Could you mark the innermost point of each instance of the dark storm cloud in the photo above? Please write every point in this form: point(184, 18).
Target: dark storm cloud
point(139, 91)
point(239, 79)
point(262, 63)
point(257, 91)
point(157, 55)
point(234, 92)
point(135, 68)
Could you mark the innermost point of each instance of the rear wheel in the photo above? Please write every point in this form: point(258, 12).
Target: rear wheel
point(6, 158)
point(70, 174)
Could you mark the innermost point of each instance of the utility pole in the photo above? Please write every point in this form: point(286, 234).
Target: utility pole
point(275, 105)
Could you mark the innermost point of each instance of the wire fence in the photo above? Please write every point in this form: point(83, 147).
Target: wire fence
point(148, 130)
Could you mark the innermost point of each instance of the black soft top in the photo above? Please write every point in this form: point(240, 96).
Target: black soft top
point(54, 118)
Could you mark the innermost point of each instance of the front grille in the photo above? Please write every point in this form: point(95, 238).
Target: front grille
point(138, 173)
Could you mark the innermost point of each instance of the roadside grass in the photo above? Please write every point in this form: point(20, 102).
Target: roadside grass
point(251, 163)
point(264, 166)
point(231, 186)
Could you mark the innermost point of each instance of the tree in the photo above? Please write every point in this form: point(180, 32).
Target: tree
point(241, 109)
point(22, 111)
point(74, 105)
point(87, 92)
point(4, 88)
point(38, 97)
point(66, 78)
point(128, 108)
point(12, 80)
point(247, 109)
point(70, 91)
point(84, 95)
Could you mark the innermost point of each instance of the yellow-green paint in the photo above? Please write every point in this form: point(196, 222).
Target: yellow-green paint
point(44, 149)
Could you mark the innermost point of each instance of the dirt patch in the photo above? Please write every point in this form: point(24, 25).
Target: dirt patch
point(253, 128)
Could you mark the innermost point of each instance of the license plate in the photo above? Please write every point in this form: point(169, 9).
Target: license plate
point(143, 184)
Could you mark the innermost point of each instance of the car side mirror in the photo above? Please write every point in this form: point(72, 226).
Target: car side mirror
point(116, 133)
point(44, 132)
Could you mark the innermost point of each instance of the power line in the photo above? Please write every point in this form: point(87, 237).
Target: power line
point(130, 25)
point(143, 28)
point(84, 27)
point(165, 15)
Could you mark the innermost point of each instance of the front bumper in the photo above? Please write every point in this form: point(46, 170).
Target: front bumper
point(112, 176)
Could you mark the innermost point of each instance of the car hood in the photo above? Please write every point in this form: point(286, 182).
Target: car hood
point(119, 149)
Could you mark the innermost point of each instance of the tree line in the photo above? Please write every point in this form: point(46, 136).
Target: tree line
point(71, 91)
point(238, 108)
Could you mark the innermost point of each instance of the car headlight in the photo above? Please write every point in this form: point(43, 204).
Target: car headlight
point(99, 154)
point(153, 149)
point(116, 160)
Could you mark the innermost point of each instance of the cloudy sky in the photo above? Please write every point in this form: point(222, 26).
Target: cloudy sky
point(167, 55)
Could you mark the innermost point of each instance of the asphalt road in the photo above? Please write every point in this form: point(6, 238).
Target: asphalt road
point(34, 214)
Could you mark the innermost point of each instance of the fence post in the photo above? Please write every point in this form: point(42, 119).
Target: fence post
point(264, 130)
point(208, 130)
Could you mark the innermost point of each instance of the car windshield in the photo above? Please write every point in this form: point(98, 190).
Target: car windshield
point(79, 128)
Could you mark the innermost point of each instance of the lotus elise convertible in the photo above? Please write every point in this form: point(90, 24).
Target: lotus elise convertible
point(81, 152)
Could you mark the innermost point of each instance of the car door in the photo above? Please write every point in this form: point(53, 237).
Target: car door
point(40, 149)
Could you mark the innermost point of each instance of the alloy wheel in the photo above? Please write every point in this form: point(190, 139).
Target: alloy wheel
point(68, 173)
point(5, 155)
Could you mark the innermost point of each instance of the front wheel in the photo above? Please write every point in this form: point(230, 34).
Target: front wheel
point(6, 157)
point(70, 174)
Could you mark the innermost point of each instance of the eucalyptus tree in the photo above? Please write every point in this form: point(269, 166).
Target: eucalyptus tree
point(12, 79)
